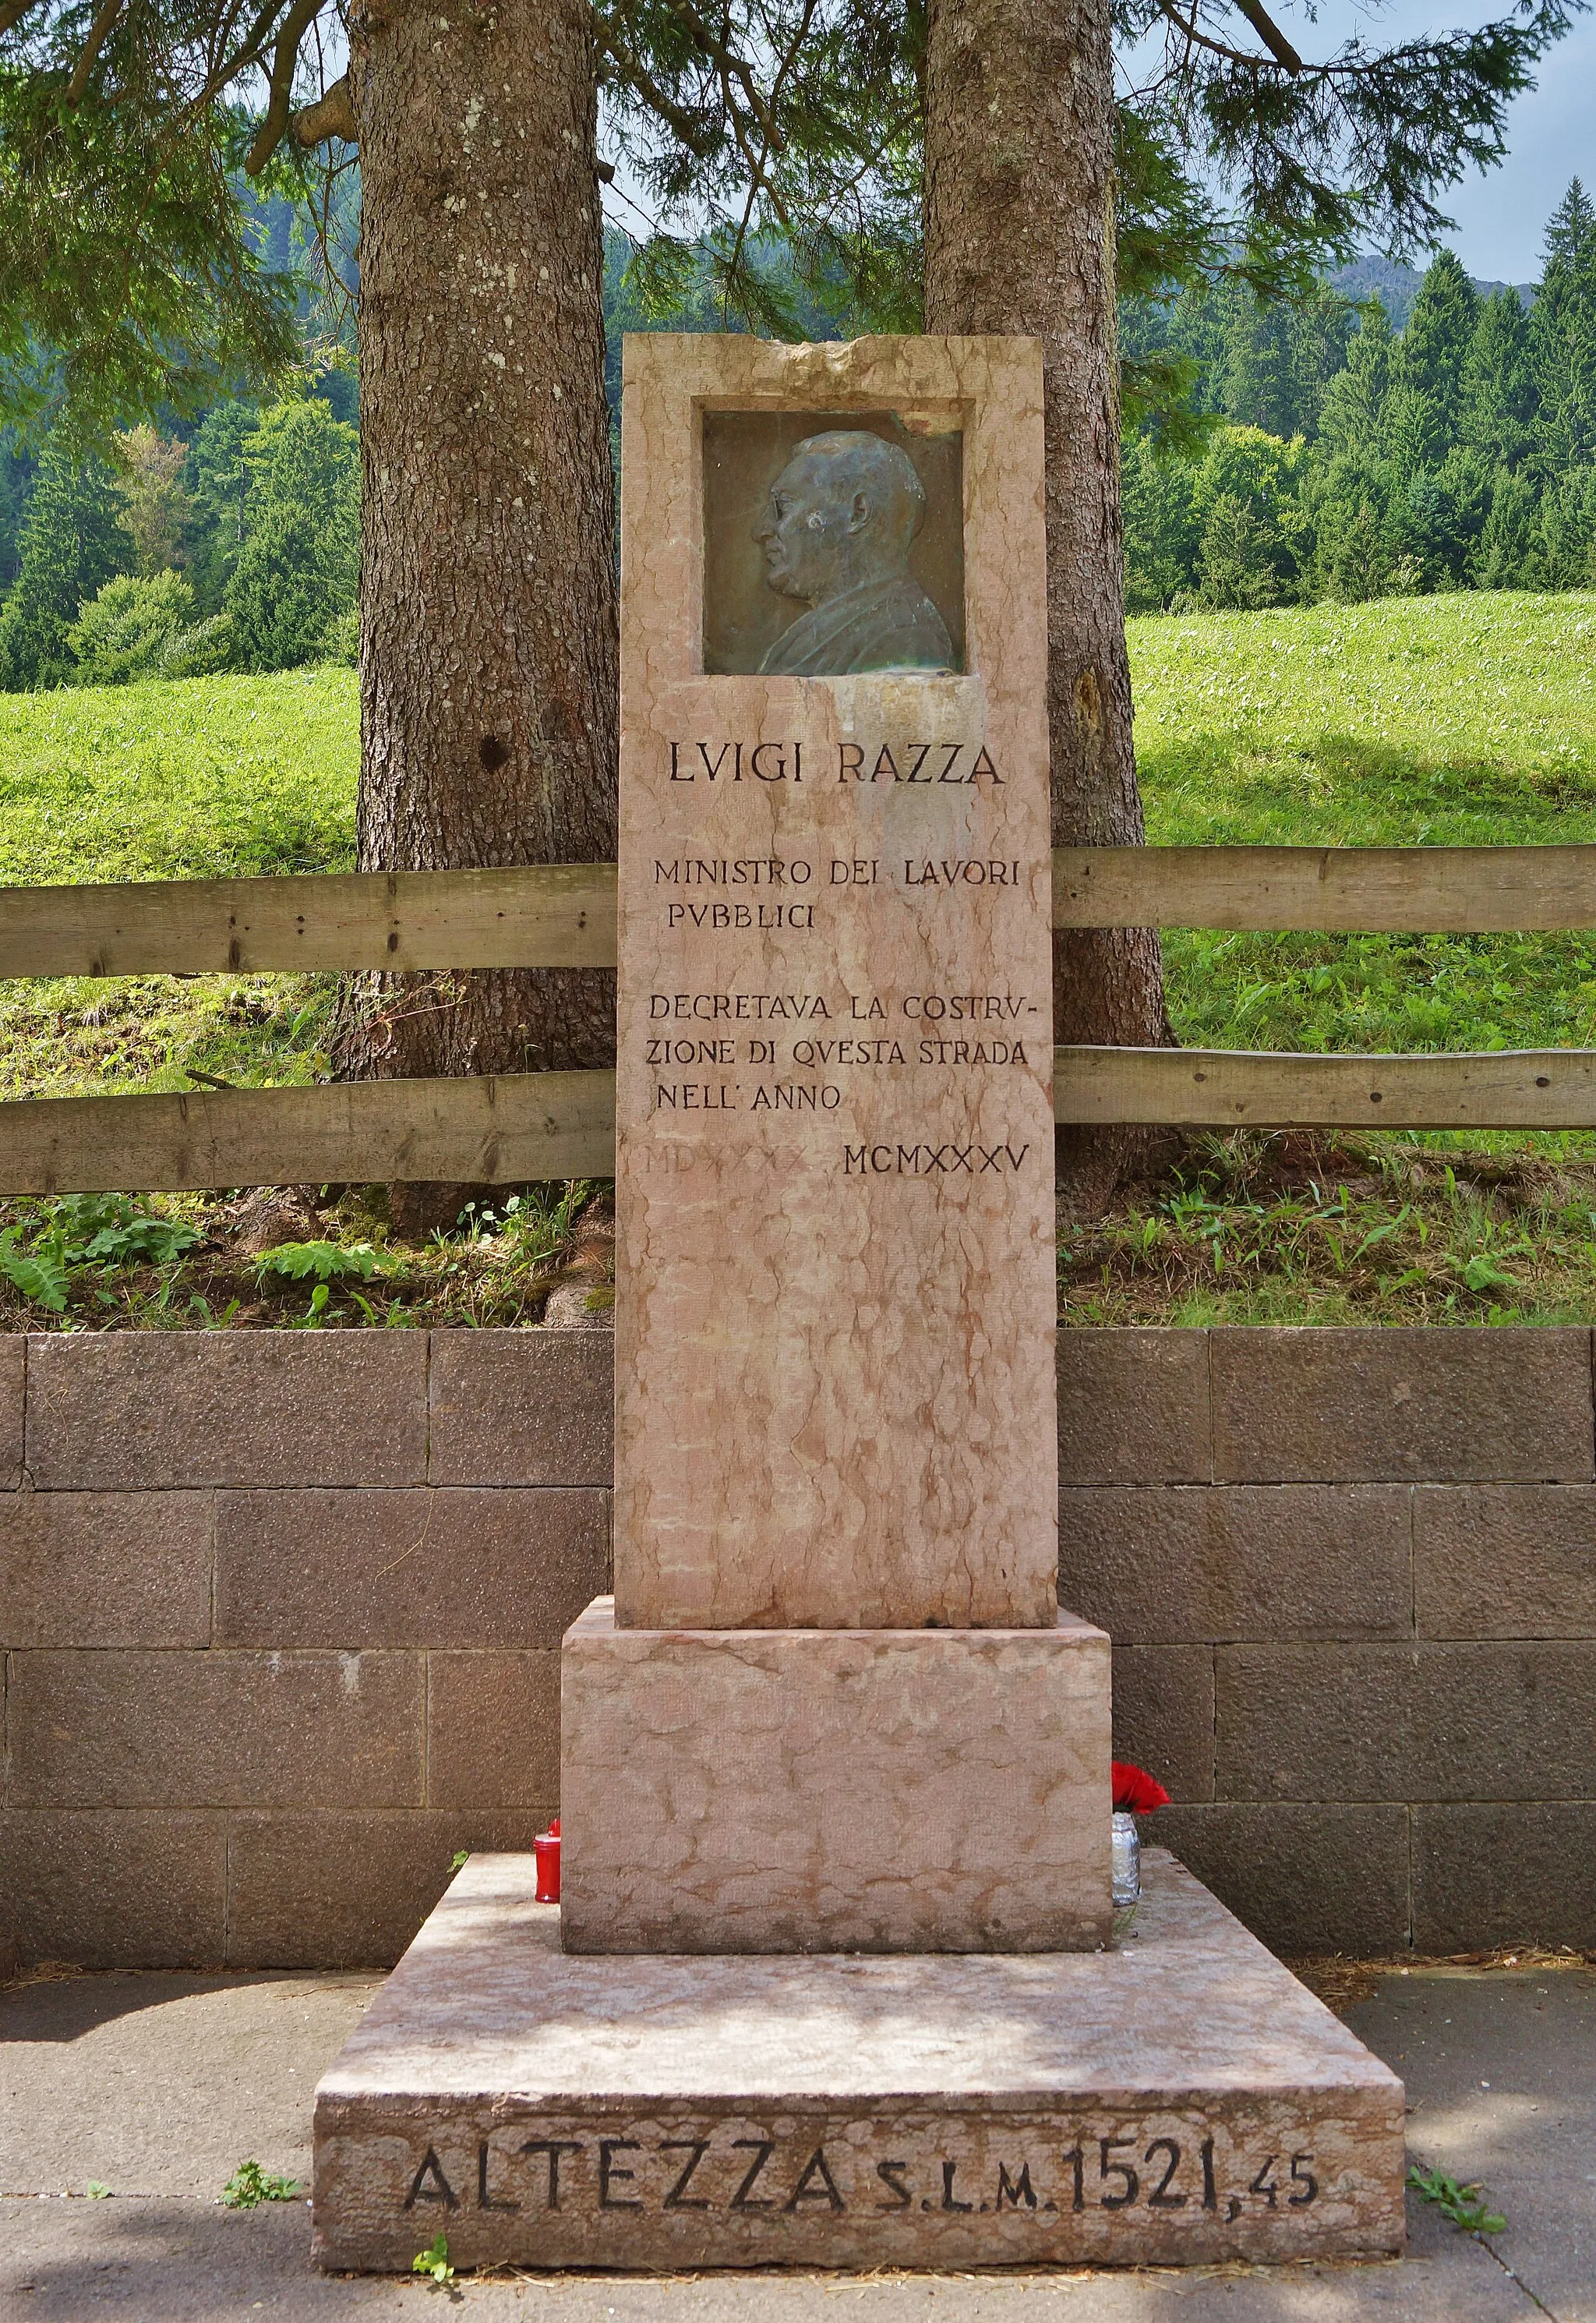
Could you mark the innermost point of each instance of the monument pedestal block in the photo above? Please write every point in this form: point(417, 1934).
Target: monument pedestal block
point(834, 1790)
point(1177, 2100)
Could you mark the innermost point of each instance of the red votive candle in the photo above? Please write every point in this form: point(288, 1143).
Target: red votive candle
point(545, 1850)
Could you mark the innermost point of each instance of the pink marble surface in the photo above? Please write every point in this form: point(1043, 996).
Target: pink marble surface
point(488, 2041)
point(835, 1303)
point(834, 1790)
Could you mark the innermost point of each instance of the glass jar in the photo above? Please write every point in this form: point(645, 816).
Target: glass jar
point(1127, 1862)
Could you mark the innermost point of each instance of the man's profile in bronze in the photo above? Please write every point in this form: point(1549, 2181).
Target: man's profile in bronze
point(836, 532)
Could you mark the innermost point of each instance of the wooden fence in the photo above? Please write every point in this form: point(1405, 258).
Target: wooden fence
point(536, 1126)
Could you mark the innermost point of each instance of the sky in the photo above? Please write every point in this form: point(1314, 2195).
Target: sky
point(1500, 215)
point(1551, 138)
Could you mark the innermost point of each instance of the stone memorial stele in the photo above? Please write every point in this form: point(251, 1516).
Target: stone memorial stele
point(835, 1978)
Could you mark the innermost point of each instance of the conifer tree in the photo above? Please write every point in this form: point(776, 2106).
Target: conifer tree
point(1351, 417)
point(1561, 549)
point(1236, 558)
point(1496, 403)
point(1322, 333)
point(1261, 387)
point(13, 500)
point(298, 566)
point(218, 479)
point(1570, 230)
point(1506, 539)
point(1202, 322)
point(1431, 353)
point(1160, 525)
point(1355, 551)
point(1561, 338)
point(1279, 356)
point(71, 542)
point(963, 162)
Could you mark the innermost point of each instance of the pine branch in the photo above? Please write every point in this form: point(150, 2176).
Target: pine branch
point(98, 33)
point(1187, 27)
point(232, 65)
point(285, 56)
point(332, 115)
point(1271, 34)
point(733, 65)
point(698, 140)
point(12, 12)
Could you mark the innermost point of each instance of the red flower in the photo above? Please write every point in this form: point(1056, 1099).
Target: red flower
point(1136, 1792)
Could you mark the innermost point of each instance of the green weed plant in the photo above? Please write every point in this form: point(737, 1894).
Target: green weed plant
point(1465, 2206)
point(325, 1262)
point(249, 2186)
point(434, 2262)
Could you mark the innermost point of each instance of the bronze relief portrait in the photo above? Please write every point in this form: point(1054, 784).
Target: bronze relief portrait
point(830, 547)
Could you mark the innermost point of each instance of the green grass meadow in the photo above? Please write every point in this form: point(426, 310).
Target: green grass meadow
point(1467, 719)
point(203, 778)
point(199, 779)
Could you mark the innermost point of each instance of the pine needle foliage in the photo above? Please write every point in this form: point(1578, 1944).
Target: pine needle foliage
point(136, 137)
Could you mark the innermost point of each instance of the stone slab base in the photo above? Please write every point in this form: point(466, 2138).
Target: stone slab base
point(1180, 2100)
point(833, 1790)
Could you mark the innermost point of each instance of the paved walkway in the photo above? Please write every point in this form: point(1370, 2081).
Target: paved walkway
point(157, 2086)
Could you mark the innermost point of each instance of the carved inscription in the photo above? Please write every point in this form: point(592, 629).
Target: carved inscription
point(1129, 2167)
point(775, 895)
point(976, 1044)
point(847, 942)
point(734, 761)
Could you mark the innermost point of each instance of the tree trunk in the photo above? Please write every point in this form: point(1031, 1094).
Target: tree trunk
point(1018, 238)
point(488, 646)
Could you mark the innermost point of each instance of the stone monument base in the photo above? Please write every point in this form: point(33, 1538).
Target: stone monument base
point(834, 1790)
point(1179, 2100)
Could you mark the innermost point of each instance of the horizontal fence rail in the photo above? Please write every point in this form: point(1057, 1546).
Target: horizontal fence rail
point(1229, 1088)
point(1370, 890)
point(523, 1128)
point(563, 914)
point(511, 1131)
point(524, 915)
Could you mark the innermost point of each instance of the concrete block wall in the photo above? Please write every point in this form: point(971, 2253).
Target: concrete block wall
point(279, 1616)
point(1351, 1580)
point(280, 1620)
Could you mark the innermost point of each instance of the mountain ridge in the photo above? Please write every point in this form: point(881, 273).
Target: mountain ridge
point(1396, 286)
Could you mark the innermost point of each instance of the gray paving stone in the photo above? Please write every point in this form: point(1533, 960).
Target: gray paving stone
point(13, 1348)
point(1185, 1563)
point(1466, 1536)
point(457, 1567)
point(113, 1890)
point(106, 1568)
point(522, 1408)
point(186, 2075)
point(1482, 1721)
point(215, 1730)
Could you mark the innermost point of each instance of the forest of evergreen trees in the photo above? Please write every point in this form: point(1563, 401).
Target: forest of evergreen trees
point(1344, 459)
point(238, 548)
point(227, 541)
point(1316, 451)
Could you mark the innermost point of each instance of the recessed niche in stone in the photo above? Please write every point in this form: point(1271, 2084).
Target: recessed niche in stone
point(833, 544)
